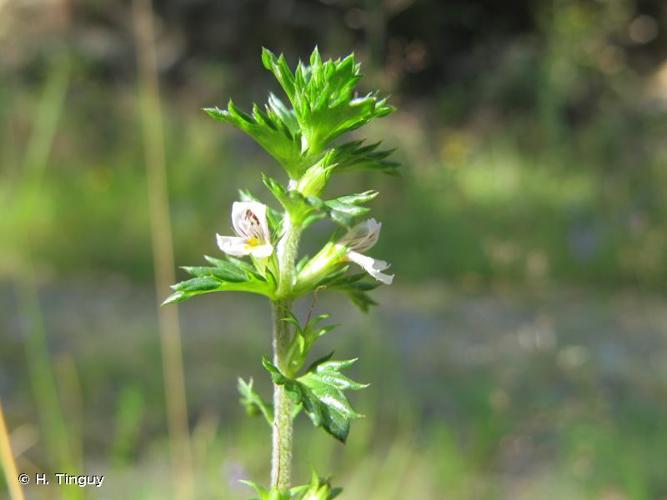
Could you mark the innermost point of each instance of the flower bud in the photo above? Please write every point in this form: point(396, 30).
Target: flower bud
point(319, 267)
point(315, 178)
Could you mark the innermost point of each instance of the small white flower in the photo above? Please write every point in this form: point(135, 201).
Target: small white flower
point(363, 237)
point(252, 228)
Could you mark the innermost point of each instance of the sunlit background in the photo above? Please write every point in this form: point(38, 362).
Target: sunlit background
point(521, 352)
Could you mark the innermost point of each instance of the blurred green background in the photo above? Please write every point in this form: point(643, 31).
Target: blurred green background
point(521, 352)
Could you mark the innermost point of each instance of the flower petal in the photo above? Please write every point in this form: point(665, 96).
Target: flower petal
point(249, 220)
point(372, 266)
point(233, 245)
point(261, 251)
point(363, 236)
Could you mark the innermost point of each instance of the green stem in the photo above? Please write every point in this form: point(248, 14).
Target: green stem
point(281, 458)
point(286, 252)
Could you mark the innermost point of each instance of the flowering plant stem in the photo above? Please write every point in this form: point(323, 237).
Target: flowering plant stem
point(281, 457)
point(281, 461)
point(324, 106)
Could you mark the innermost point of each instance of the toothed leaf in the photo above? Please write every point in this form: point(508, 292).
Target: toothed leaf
point(272, 129)
point(224, 276)
point(320, 392)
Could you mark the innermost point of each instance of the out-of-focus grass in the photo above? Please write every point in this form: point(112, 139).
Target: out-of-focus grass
point(7, 461)
point(60, 439)
point(162, 248)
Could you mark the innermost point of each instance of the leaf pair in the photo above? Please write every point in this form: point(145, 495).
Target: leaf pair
point(344, 210)
point(318, 489)
point(320, 392)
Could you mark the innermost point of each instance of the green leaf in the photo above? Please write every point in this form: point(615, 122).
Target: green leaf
point(264, 494)
point(354, 285)
point(345, 210)
point(253, 404)
point(273, 129)
point(232, 264)
point(354, 156)
point(230, 273)
point(320, 392)
point(286, 115)
point(273, 370)
point(225, 275)
point(278, 191)
point(278, 66)
point(303, 339)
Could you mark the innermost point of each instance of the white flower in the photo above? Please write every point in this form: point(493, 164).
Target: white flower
point(254, 237)
point(363, 237)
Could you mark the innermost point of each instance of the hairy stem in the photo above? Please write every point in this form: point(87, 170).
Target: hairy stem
point(281, 460)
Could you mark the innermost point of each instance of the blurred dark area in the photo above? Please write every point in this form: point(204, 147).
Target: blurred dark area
point(521, 351)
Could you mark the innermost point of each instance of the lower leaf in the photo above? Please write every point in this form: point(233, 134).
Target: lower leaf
point(320, 392)
point(229, 275)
